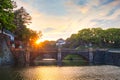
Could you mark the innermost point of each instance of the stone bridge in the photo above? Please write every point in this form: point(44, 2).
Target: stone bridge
point(53, 53)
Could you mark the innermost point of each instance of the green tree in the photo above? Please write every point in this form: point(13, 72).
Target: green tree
point(6, 15)
point(112, 37)
point(72, 42)
point(85, 35)
point(97, 36)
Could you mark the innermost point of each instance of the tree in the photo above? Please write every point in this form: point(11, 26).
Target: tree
point(22, 18)
point(34, 36)
point(97, 36)
point(6, 15)
point(72, 42)
point(112, 37)
point(22, 33)
point(48, 44)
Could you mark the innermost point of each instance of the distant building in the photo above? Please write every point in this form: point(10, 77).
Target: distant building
point(60, 42)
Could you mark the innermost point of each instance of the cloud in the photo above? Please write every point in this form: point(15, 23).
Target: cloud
point(104, 2)
point(113, 10)
point(50, 7)
point(49, 29)
point(75, 7)
point(66, 17)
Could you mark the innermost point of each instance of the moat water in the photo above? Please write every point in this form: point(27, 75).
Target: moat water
point(63, 72)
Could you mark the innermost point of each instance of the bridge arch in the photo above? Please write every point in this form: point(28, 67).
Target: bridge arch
point(42, 55)
point(74, 55)
point(64, 52)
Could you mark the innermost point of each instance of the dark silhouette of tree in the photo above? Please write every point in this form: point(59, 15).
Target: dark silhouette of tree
point(22, 18)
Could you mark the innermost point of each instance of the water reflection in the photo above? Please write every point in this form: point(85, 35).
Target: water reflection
point(45, 62)
point(74, 63)
point(70, 70)
point(61, 73)
point(51, 61)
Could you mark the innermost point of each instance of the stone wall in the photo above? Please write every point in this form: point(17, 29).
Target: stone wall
point(107, 58)
point(19, 57)
point(5, 52)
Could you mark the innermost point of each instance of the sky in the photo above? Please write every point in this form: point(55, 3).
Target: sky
point(61, 18)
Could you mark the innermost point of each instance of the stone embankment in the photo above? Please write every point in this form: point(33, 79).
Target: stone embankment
point(5, 52)
point(109, 57)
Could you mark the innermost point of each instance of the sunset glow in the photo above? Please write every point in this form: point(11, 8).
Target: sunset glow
point(38, 41)
point(61, 18)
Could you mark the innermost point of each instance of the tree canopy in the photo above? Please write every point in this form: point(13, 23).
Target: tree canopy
point(97, 36)
point(21, 20)
point(6, 15)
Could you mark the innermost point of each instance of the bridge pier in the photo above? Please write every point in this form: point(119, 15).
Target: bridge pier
point(59, 56)
point(59, 43)
point(90, 55)
point(27, 55)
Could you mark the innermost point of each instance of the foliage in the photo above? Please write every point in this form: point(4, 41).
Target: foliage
point(21, 20)
point(48, 44)
point(72, 42)
point(97, 36)
point(6, 15)
point(34, 36)
point(112, 37)
point(73, 57)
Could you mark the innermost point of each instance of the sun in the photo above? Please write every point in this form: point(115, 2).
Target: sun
point(38, 41)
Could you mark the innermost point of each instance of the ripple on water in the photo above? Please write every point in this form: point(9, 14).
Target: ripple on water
point(62, 73)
